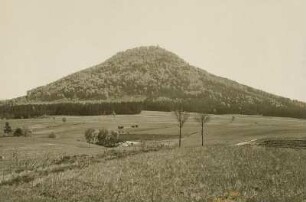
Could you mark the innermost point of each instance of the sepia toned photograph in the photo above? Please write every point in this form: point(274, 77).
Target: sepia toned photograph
point(153, 100)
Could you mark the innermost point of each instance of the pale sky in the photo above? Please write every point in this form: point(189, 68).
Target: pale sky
point(260, 43)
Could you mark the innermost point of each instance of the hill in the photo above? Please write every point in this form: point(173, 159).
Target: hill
point(161, 78)
point(141, 72)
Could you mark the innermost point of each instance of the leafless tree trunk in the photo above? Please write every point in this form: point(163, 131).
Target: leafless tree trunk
point(181, 117)
point(202, 133)
point(202, 118)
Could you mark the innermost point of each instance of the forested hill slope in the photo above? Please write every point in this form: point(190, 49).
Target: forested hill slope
point(157, 75)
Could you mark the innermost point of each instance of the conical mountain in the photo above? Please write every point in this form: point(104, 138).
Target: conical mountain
point(153, 73)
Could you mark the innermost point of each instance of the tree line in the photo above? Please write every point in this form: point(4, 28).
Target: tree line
point(74, 109)
point(208, 106)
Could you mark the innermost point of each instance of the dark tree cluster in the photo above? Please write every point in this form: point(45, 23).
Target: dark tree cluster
point(264, 108)
point(201, 105)
point(76, 109)
point(102, 137)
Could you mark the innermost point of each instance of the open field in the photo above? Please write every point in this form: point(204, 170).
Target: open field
point(65, 168)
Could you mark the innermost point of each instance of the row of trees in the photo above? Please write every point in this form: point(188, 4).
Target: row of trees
point(206, 105)
point(75, 108)
point(265, 108)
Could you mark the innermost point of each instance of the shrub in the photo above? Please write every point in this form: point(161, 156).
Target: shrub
point(18, 132)
point(108, 138)
point(52, 135)
point(64, 119)
point(22, 132)
point(102, 136)
point(90, 135)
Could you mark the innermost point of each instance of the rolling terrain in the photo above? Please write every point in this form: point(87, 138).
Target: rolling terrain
point(152, 126)
point(66, 168)
point(246, 156)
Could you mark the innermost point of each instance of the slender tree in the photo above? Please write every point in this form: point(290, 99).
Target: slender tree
point(7, 128)
point(181, 118)
point(203, 119)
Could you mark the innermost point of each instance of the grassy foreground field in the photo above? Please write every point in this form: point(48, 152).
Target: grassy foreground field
point(64, 168)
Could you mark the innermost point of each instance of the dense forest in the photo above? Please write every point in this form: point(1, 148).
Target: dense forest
point(156, 79)
point(68, 108)
point(211, 107)
point(135, 107)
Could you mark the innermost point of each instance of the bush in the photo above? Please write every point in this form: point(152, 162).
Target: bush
point(52, 135)
point(22, 132)
point(108, 138)
point(102, 137)
point(64, 119)
point(18, 132)
point(90, 135)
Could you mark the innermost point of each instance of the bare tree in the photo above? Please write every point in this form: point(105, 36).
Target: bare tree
point(181, 117)
point(202, 118)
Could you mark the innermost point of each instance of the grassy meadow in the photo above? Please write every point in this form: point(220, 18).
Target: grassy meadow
point(66, 168)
